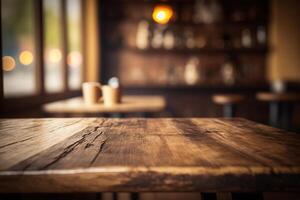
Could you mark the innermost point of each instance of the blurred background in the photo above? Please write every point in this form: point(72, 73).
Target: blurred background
point(206, 58)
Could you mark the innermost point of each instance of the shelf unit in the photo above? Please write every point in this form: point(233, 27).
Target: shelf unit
point(136, 67)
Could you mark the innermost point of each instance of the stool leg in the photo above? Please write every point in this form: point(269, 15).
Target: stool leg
point(208, 196)
point(286, 115)
point(224, 196)
point(229, 110)
point(99, 196)
point(274, 114)
point(117, 115)
point(115, 196)
point(134, 196)
point(248, 196)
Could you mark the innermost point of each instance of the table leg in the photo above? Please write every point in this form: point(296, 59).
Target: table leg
point(145, 115)
point(208, 196)
point(286, 116)
point(274, 114)
point(224, 196)
point(99, 196)
point(247, 196)
point(117, 115)
point(115, 196)
point(229, 110)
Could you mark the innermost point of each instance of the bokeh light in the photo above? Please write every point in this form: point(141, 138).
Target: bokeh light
point(26, 57)
point(8, 63)
point(54, 55)
point(162, 14)
point(74, 59)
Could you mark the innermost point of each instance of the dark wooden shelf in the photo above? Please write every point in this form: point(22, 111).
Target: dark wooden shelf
point(241, 87)
point(257, 50)
point(169, 2)
point(224, 23)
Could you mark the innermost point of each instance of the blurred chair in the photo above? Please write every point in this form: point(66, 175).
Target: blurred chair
point(229, 103)
point(281, 107)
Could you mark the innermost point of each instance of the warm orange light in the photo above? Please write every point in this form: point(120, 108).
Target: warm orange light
point(26, 57)
point(8, 63)
point(162, 14)
point(74, 59)
point(54, 55)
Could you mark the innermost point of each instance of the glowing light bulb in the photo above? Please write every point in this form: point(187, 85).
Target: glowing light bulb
point(26, 57)
point(162, 14)
point(8, 63)
point(74, 59)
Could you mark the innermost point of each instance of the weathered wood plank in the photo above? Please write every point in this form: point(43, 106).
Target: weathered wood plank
point(22, 138)
point(92, 155)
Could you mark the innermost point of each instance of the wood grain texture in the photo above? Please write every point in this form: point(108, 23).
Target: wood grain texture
point(129, 104)
point(187, 154)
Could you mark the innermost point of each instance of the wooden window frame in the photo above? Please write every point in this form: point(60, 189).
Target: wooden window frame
point(14, 104)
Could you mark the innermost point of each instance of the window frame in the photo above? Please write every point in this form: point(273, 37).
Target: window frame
point(11, 104)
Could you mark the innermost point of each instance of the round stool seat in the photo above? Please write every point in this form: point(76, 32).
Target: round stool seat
point(280, 107)
point(278, 97)
point(224, 99)
point(228, 101)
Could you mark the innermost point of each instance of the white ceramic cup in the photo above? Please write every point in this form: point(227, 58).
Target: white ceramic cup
point(111, 95)
point(91, 92)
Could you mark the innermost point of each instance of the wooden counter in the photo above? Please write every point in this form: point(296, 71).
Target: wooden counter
point(187, 154)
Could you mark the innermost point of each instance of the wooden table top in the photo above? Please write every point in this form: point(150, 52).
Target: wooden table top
point(130, 103)
point(180, 154)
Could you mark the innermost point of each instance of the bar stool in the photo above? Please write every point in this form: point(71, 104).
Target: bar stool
point(229, 102)
point(281, 105)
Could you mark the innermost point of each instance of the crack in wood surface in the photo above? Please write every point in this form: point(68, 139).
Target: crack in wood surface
point(98, 152)
point(72, 146)
point(90, 144)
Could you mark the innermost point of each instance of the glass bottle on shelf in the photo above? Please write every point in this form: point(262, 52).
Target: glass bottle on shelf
point(189, 39)
point(142, 35)
point(199, 9)
point(207, 11)
point(216, 10)
point(229, 72)
point(169, 40)
point(261, 35)
point(191, 73)
point(157, 39)
point(246, 39)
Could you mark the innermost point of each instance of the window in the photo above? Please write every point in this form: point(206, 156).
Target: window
point(28, 73)
point(18, 57)
point(52, 40)
point(74, 58)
